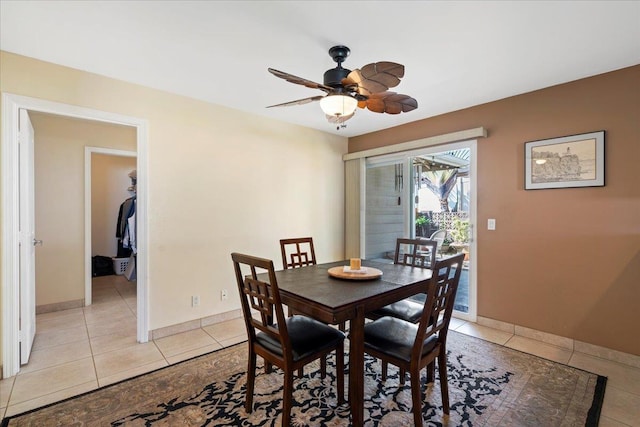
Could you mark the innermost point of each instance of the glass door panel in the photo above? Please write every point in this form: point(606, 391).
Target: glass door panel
point(385, 209)
point(419, 193)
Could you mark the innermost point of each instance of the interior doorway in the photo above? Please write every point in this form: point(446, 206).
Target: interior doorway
point(11, 105)
point(108, 185)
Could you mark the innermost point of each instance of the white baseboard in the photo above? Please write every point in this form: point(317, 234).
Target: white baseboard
point(557, 340)
point(194, 324)
point(59, 306)
point(563, 342)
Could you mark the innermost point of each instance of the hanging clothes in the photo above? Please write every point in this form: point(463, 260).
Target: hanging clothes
point(127, 209)
point(126, 232)
point(129, 239)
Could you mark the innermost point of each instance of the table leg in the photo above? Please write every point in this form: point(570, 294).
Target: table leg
point(356, 368)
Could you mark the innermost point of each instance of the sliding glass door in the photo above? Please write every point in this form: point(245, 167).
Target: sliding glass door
point(428, 193)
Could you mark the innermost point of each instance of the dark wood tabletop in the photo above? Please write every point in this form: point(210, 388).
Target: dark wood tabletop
point(310, 290)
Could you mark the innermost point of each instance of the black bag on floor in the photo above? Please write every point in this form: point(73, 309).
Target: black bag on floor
point(102, 266)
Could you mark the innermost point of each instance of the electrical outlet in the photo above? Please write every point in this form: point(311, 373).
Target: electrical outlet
point(195, 301)
point(491, 224)
point(223, 294)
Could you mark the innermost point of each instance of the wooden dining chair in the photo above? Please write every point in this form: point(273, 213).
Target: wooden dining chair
point(297, 252)
point(418, 252)
point(287, 342)
point(415, 253)
point(413, 347)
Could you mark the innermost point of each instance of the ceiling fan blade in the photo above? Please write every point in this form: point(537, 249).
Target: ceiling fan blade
point(299, 80)
point(376, 77)
point(390, 103)
point(298, 101)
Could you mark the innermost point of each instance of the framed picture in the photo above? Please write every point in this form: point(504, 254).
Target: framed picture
point(564, 162)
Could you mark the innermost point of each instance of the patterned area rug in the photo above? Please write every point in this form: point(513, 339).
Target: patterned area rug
point(489, 385)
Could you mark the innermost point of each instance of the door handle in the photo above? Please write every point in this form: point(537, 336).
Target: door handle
point(37, 242)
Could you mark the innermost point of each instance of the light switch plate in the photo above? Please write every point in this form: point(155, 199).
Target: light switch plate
point(491, 224)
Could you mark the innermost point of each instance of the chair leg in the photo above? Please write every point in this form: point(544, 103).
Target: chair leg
point(323, 366)
point(268, 367)
point(403, 375)
point(385, 365)
point(343, 326)
point(430, 372)
point(340, 372)
point(300, 372)
point(287, 396)
point(251, 376)
point(444, 385)
point(416, 398)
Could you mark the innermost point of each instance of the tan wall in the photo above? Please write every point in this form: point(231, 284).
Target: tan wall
point(563, 261)
point(219, 181)
point(59, 199)
point(109, 183)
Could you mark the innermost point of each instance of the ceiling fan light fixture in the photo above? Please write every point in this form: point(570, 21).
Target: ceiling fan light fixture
point(338, 105)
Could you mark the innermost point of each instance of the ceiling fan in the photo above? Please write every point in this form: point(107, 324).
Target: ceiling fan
point(345, 90)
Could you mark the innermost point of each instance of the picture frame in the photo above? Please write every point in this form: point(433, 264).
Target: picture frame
point(565, 162)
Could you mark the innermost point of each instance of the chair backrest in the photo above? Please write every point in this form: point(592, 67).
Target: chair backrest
point(262, 296)
point(441, 295)
point(439, 237)
point(297, 252)
point(415, 252)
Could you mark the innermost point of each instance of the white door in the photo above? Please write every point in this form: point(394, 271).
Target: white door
point(27, 239)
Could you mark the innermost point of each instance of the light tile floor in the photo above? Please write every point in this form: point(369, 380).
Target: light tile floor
point(79, 350)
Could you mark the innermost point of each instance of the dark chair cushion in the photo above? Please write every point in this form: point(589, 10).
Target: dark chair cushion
point(395, 337)
point(307, 336)
point(408, 310)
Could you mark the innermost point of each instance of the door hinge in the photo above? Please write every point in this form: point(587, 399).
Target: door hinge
point(20, 336)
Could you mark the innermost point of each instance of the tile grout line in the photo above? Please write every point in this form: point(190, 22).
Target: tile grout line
point(622, 390)
point(6, 408)
point(617, 421)
point(93, 359)
point(619, 364)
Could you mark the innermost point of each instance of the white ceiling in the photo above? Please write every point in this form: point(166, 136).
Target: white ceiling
point(457, 54)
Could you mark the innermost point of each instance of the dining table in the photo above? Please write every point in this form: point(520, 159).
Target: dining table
point(312, 291)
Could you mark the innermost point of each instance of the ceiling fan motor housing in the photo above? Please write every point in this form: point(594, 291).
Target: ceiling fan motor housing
point(334, 76)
